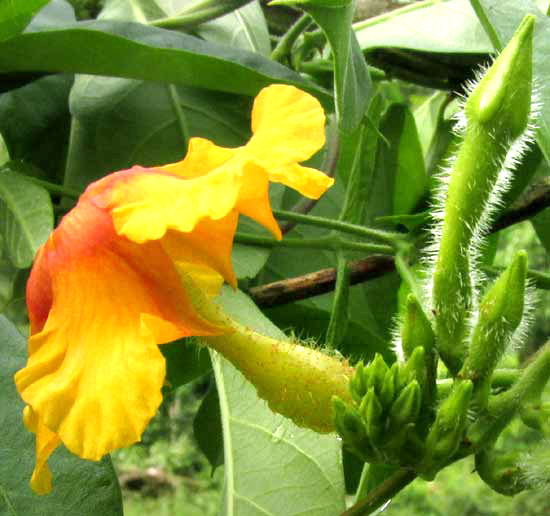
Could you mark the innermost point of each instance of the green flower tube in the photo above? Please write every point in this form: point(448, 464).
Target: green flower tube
point(295, 381)
point(497, 113)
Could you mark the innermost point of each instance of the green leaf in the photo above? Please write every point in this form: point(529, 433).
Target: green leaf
point(137, 51)
point(185, 361)
point(26, 216)
point(79, 487)
point(352, 84)
point(15, 15)
point(406, 167)
point(430, 26)
point(207, 428)
point(432, 43)
point(271, 465)
point(35, 122)
point(243, 28)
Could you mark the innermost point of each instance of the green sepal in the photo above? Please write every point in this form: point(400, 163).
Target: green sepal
point(416, 330)
point(500, 471)
point(406, 407)
point(447, 431)
point(502, 99)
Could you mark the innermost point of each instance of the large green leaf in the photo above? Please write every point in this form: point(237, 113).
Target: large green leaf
point(435, 43)
point(79, 487)
point(14, 16)
point(207, 428)
point(430, 26)
point(271, 466)
point(133, 50)
point(505, 16)
point(26, 216)
point(35, 122)
point(352, 84)
point(400, 164)
point(243, 28)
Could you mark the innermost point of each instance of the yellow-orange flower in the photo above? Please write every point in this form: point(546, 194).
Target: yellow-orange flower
point(105, 288)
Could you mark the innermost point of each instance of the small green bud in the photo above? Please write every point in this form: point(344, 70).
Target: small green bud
point(447, 431)
point(500, 313)
point(388, 391)
point(347, 422)
point(371, 411)
point(358, 382)
point(376, 373)
point(406, 407)
point(500, 471)
point(416, 330)
point(503, 97)
point(414, 368)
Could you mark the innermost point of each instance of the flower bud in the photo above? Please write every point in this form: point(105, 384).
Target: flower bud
point(389, 388)
point(502, 99)
point(497, 113)
point(447, 430)
point(376, 373)
point(500, 313)
point(406, 407)
point(416, 330)
point(371, 411)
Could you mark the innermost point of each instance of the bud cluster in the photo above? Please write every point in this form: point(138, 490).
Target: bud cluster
point(382, 422)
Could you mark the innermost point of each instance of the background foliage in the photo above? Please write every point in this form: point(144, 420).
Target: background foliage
point(91, 86)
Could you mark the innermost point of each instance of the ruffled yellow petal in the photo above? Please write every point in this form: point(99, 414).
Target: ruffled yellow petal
point(46, 443)
point(288, 126)
point(208, 245)
point(310, 182)
point(202, 157)
point(95, 372)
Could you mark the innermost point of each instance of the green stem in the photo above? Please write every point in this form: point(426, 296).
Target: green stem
point(180, 115)
point(54, 188)
point(327, 243)
point(407, 275)
point(501, 379)
point(199, 13)
point(382, 493)
point(285, 44)
point(486, 24)
point(344, 227)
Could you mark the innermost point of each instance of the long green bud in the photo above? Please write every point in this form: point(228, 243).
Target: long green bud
point(497, 113)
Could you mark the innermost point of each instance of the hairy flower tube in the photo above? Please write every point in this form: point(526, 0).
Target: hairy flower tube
point(105, 289)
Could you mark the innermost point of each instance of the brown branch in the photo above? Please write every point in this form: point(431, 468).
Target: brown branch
point(319, 282)
point(527, 206)
point(323, 281)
